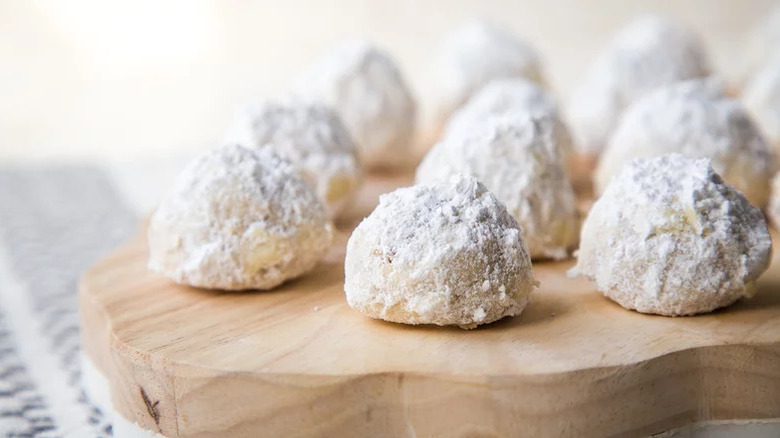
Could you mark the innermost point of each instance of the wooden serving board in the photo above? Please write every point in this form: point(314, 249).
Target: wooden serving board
point(298, 362)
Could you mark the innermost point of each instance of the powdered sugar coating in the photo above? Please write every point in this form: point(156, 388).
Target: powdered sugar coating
point(365, 87)
point(648, 53)
point(762, 99)
point(310, 136)
point(511, 96)
point(478, 53)
point(515, 156)
point(669, 237)
point(696, 119)
point(238, 218)
point(447, 253)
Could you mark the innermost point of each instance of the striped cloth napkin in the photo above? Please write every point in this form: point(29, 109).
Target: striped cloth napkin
point(54, 223)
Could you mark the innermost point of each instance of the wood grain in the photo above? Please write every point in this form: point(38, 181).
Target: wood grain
point(297, 361)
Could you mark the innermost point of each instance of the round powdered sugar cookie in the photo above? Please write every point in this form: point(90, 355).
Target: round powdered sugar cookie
point(365, 87)
point(238, 218)
point(516, 157)
point(309, 135)
point(447, 253)
point(478, 53)
point(696, 119)
point(669, 237)
point(512, 96)
point(648, 53)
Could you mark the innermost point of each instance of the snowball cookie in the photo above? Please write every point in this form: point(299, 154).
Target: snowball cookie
point(365, 87)
point(516, 158)
point(310, 136)
point(670, 237)
point(478, 53)
point(447, 253)
point(762, 99)
point(648, 53)
point(696, 119)
point(238, 218)
point(506, 96)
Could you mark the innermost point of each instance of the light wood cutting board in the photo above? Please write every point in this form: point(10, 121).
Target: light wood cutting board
point(298, 362)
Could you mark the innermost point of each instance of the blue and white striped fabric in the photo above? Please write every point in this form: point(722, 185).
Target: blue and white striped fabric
point(54, 223)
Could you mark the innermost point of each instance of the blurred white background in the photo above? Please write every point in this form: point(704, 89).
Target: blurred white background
point(90, 79)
